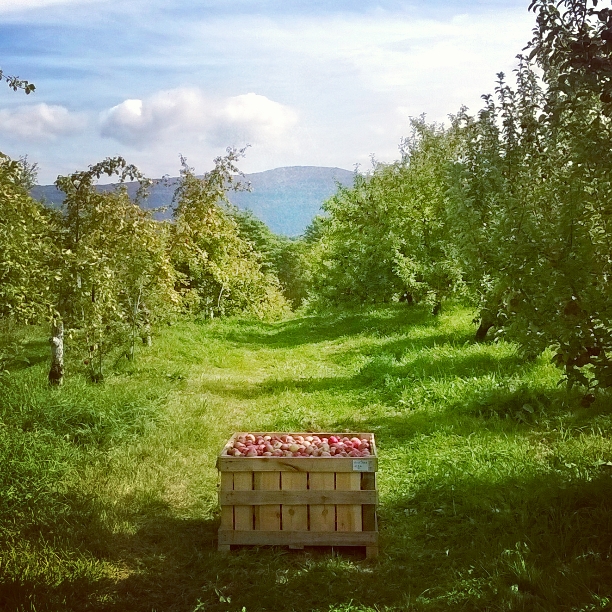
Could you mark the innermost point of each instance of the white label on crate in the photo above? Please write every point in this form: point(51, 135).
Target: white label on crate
point(363, 465)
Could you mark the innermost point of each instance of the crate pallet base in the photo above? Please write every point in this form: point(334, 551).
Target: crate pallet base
point(299, 539)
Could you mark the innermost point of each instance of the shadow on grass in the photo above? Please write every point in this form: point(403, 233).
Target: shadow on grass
point(383, 379)
point(534, 543)
point(523, 544)
point(320, 328)
point(503, 407)
point(455, 541)
point(171, 564)
point(28, 354)
point(158, 567)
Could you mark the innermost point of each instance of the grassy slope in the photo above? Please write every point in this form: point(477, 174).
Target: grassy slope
point(495, 489)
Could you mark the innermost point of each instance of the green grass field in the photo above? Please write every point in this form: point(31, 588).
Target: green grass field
point(495, 484)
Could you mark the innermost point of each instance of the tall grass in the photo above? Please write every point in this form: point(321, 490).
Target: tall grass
point(495, 484)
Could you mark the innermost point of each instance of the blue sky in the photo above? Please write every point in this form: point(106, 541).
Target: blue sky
point(304, 82)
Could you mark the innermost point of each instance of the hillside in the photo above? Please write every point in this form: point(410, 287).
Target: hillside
point(286, 199)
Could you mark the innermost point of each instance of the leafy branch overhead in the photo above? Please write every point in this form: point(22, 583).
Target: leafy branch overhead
point(573, 43)
point(16, 84)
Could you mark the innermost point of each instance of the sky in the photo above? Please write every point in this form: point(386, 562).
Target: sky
point(303, 82)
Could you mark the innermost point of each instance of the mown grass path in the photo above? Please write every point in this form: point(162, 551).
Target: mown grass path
point(495, 485)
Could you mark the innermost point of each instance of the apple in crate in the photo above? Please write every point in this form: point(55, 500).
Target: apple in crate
point(287, 445)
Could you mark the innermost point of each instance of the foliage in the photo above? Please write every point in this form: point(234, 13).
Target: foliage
point(572, 43)
point(353, 261)
point(492, 181)
point(26, 243)
point(426, 257)
point(532, 199)
point(573, 46)
point(114, 272)
point(221, 272)
point(15, 83)
point(387, 237)
point(281, 256)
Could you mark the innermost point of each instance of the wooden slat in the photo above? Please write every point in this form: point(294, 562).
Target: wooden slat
point(227, 512)
point(348, 517)
point(291, 464)
point(373, 450)
point(322, 515)
point(295, 516)
point(267, 517)
point(368, 511)
point(368, 516)
point(259, 498)
point(243, 515)
point(368, 481)
point(298, 538)
point(371, 552)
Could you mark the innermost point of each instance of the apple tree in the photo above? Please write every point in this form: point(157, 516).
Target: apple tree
point(27, 247)
point(386, 237)
point(532, 201)
point(220, 272)
point(114, 273)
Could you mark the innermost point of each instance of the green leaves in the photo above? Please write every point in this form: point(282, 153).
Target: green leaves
point(15, 83)
point(220, 271)
point(533, 200)
point(114, 275)
point(26, 244)
point(387, 236)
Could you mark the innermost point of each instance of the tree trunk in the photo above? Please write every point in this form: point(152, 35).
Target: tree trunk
point(56, 373)
point(145, 332)
point(485, 325)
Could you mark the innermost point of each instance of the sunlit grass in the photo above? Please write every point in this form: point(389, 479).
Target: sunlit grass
point(495, 485)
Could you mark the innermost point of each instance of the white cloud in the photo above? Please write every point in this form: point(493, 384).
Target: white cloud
point(353, 78)
point(177, 113)
point(251, 118)
point(40, 122)
point(375, 53)
point(140, 122)
point(348, 73)
point(404, 55)
point(10, 6)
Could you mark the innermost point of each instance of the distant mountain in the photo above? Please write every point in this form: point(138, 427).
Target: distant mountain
point(286, 199)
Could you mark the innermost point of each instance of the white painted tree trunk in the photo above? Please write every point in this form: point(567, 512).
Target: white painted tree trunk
point(56, 373)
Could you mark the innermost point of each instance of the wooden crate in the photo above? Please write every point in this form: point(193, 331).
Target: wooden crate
point(299, 501)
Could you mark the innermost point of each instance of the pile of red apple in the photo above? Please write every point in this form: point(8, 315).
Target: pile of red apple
point(287, 445)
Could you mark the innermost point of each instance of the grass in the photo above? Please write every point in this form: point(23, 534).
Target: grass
point(495, 484)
